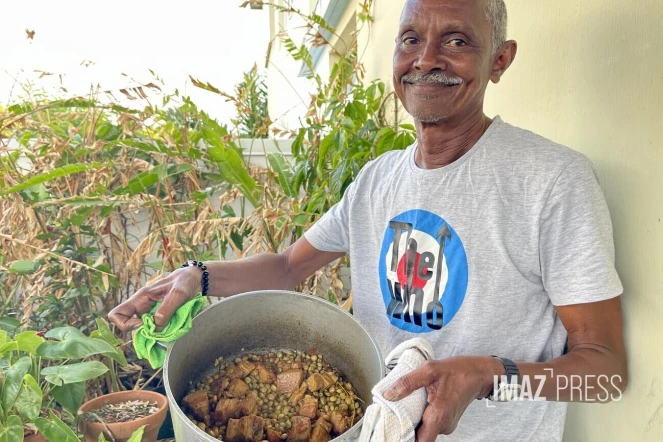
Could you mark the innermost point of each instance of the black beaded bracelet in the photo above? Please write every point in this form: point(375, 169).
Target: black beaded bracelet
point(205, 281)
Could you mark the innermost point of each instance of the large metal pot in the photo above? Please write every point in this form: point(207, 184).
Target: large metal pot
point(270, 319)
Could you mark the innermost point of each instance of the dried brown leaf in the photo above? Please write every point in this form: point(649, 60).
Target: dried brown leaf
point(127, 94)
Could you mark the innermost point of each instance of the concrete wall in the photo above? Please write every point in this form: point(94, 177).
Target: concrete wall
point(589, 74)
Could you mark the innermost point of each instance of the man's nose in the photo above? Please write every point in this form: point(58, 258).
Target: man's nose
point(430, 58)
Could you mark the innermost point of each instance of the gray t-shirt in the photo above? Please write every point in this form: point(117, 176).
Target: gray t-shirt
point(474, 257)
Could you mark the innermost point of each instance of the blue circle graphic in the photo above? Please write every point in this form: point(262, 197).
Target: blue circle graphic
point(407, 306)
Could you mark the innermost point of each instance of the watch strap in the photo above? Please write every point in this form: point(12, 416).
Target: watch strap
point(511, 388)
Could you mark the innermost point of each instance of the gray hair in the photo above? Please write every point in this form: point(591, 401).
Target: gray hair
point(496, 16)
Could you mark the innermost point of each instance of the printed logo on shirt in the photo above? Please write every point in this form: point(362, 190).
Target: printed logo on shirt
point(423, 271)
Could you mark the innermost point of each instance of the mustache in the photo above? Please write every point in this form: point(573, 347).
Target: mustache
point(432, 77)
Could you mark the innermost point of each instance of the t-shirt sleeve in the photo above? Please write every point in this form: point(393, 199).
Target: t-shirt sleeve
point(576, 244)
point(331, 233)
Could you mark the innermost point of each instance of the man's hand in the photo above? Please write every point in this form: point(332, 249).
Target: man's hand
point(174, 290)
point(452, 384)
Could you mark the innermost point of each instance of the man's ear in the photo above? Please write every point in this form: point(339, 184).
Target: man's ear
point(505, 56)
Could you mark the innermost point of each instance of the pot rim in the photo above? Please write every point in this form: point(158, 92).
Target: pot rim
point(200, 433)
point(116, 425)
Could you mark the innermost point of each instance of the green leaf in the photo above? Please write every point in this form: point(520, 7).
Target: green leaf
point(7, 347)
point(385, 140)
point(28, 402)
point(338, 177)
point(14, 381)
point(137, 435)
point(55, 430)
point(62, 333)
point(9, 324)
point(81, 215)
point(28, 341)
point(325, 144)
point(66, 170)
point(104, 332)
point(297, 144)
point(23, 267)
point(141, 182)
point(71, 373)
point(70, 396)
point(35, 194)
point(74, 348)
point(234, 171)
point(283, 173)
point(347, 123)
point(117, 356)
point(357, 112)
point(13, 432)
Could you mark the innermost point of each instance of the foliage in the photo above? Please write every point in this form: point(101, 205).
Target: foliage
point(252, 119)
point(42, 373)
point(136, 436)
point(84, 179)
point(98, 200)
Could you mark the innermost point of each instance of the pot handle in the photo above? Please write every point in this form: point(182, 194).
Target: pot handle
point(165, 345)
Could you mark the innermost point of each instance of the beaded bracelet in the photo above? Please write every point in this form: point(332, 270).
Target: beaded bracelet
point(205, 281)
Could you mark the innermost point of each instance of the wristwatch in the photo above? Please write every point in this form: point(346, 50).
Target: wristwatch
point(509, 386)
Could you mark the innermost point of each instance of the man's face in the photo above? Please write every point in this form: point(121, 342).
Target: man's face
point(443, 58)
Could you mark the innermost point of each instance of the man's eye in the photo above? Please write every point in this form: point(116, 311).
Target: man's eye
point(457, 42)
point(410, 41)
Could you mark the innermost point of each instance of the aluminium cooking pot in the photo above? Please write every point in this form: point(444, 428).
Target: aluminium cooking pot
point(270, 319)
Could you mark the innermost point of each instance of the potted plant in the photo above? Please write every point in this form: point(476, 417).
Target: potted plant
point(44, 376)
point(118, 415)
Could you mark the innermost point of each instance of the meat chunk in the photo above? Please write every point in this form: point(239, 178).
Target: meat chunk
point(246, 429)
point(265, 375)
point(321, 431)
point(218, 386)
point(237, 388)
point(283, 365)
point(289, 380)
point(298, 394)
point(340, 422)
point(308, 407)
point(227, 409)
point(249, 405)
point(198, 404)
point(273, 435)
point(321, 381)
point(241, 370)
point(300, 430)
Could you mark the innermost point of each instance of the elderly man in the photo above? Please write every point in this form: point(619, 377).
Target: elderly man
point(489, 241)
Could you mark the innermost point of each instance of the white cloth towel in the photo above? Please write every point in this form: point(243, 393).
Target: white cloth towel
point(387, 421)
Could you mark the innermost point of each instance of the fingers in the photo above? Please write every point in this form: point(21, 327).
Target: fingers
point(416, 379)
point(123, 316)
point(432, 425)
point(174, 300)
point(126, 316)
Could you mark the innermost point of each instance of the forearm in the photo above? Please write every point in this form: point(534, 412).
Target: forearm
point(268, 271)
point(585, 374)
point(265, 271)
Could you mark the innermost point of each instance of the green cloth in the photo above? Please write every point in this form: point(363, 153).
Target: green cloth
point(146, 336)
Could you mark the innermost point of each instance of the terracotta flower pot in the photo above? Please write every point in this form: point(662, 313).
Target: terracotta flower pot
point(37, 436)
point(121, 431)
